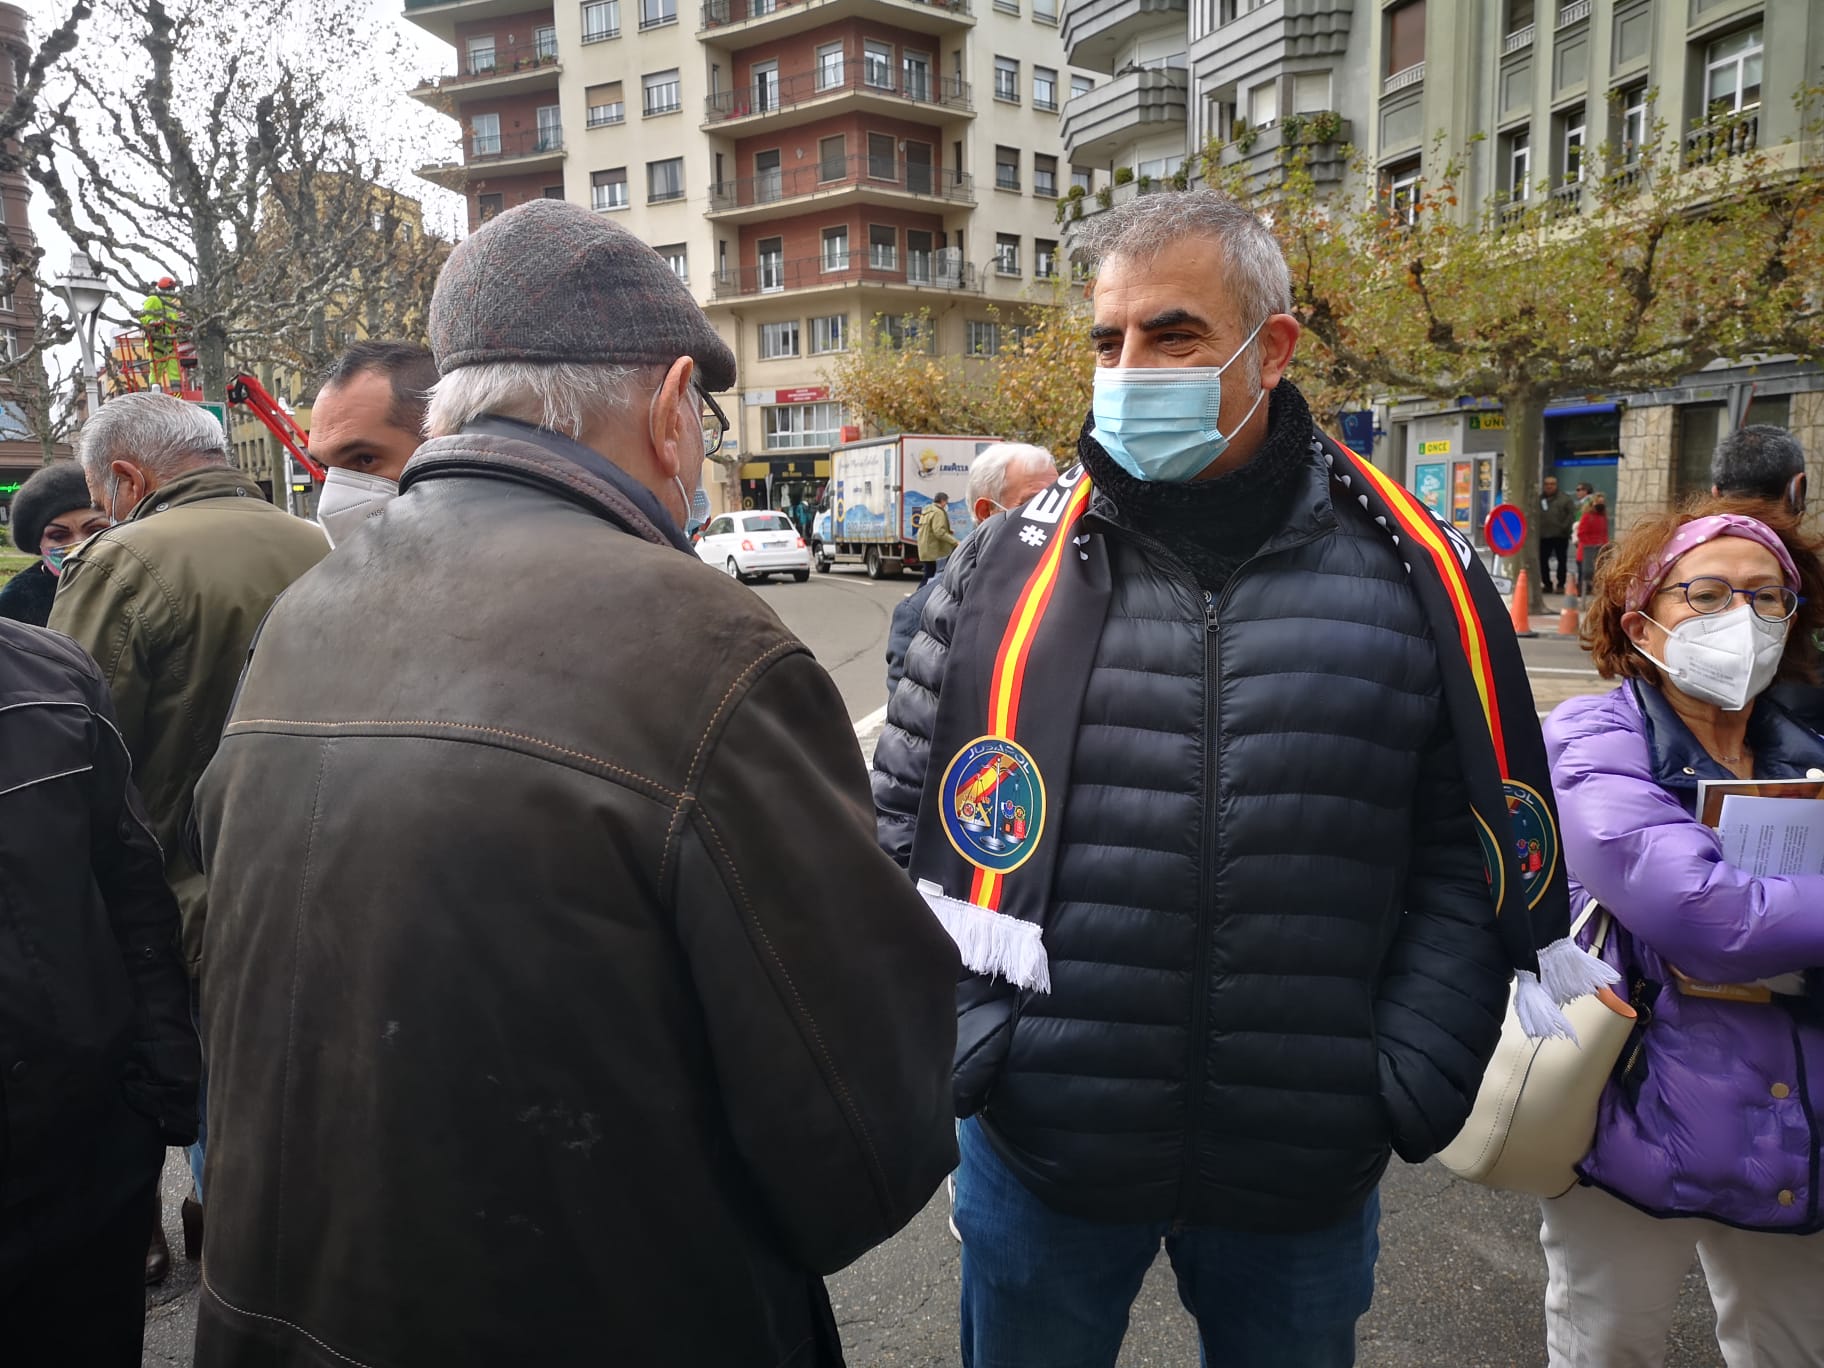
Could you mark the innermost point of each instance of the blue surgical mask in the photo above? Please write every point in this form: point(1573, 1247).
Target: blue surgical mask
point(1160, 422)
point(698, 504)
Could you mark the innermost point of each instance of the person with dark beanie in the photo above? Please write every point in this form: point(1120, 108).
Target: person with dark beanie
point(50, 514)
point(1182, 761)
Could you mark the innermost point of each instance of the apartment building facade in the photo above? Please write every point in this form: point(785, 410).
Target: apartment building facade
point(805, 166)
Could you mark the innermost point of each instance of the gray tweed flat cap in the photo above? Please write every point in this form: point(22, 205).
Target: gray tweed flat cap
point(550, 281)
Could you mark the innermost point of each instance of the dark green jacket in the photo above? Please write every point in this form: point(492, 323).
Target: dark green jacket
point(168, 602)
point(1557, 515)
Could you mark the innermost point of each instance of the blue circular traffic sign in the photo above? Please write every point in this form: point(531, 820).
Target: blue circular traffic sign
point(1505, 530)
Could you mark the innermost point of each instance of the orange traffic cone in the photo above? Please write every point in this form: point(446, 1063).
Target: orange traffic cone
point(1567, 620)
point(1520, 608)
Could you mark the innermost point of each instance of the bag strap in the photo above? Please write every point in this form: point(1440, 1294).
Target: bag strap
point(1602, 930)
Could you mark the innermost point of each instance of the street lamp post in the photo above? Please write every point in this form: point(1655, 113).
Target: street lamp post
point(85, 293)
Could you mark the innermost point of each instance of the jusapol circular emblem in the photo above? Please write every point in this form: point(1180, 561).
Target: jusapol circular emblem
point(993, 804)
point(1534, 836)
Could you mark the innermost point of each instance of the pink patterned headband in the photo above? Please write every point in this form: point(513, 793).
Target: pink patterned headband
point(1696, 533)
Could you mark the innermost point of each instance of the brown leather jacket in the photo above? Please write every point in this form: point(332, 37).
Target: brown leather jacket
point(559, 1006)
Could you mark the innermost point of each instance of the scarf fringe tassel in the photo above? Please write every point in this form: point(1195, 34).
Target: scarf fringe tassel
point(992, 943)
point(1566, 972)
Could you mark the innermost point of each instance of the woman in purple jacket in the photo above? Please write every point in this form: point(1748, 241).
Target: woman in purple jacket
point(1707, 1141)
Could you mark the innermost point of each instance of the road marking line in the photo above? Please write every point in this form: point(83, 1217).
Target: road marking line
point(871, 721)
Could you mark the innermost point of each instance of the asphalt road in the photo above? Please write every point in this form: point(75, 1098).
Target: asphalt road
point(1460, 1283)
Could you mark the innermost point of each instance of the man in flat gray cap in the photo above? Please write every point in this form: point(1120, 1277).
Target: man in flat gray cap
point(560, 1008)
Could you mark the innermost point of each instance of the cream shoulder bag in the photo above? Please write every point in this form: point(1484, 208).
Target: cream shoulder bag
point(1535, 1114)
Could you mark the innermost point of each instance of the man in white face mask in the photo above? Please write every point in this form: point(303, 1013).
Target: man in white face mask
point(367, 421)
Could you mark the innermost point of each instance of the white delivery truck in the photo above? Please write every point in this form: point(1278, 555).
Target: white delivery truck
point(879, 490)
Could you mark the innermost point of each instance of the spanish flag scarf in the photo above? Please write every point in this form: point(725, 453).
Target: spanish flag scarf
point(1019, 663)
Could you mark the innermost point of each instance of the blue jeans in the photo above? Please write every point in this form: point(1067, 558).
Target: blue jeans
point(1045, 1290)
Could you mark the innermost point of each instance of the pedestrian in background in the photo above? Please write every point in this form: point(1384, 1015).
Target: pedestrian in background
point(935, 539)
point(1002, 476)
point(367, 421)
point(606, 1028)
point(1178, 763)
point(167, 601)
point(1557, 515)
point(95, 1021)
point(50, 514)
point(1707, 1142)
point(1592, 541)
point(1761, 461)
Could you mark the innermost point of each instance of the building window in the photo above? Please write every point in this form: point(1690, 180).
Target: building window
point(832, 158)
point(606, 105)
point(829, 66)
point(1405, 36)
point(1044, 175)
point(1007, 79)
point(544, 42)
point(797, 427)
point(662, 93)
point(1311, 92)
point(883, 160)
point(984, 339)
point(1516, 164)
point(481, 55)
point(918, 257)
point(601, 20)
point(903, 331)
point(1519, 15)
point(1160, 168)
point(1007, 253)
point(883, 247)
point(653, 13)
point(1401, 190)
point(1082, 178)
point(877, 65)
point(769, 254)
point(1570, 146)
point(1263, 104)
point(1044, 89)
point(1006, 168)
point(1080, 85)
point(1732, 74)
point(1008, 7)
point(485, 135)
point(677, 256)
point(487, 206)
point(1044, 259)
point(555, 192)
point(1631, 137)
point(1045, 11)
point(665, 180)
point(836, 248)
point(915, 76)
point(769, 177)
point(766, 86)
point(608, 189)
point(830, 334)
point(550, 129)
point(778, 339)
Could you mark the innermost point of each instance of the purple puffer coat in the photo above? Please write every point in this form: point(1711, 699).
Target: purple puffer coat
point(1719, 1116)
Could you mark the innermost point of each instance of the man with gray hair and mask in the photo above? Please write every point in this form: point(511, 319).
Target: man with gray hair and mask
point(167, 601)
point(562, 1009)
point(1173, 758)
point(1003, 475)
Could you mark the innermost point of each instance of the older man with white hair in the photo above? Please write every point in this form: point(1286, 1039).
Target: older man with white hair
point(562, 1009)
point(1183, 754)
point(1003, 476)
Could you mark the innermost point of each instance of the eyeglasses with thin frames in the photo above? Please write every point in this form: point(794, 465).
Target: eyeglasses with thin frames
point(715, 424)
point(1709, 594)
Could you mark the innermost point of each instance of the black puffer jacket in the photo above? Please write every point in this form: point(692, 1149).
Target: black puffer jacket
point(1272, 944)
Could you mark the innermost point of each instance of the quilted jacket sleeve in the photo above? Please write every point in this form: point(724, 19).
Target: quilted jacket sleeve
point(1633, 847)
point(1443, 989)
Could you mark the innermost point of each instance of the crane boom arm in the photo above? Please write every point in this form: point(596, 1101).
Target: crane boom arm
point(247, 391)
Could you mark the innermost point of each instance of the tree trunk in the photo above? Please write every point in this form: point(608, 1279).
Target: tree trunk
point(1525, 415)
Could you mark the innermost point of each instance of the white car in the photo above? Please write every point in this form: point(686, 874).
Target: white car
point(755, 545)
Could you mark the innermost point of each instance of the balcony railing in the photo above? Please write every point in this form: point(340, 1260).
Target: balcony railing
point(805, 86)
point(493, 147)
point(491, 63)
point(720, 13)
point(1411, 76)
point(825, 177)
point(1566, 199)
point(601, 116)
point(1519, 38)
point(1734, 135)
point(1575, 12)
point(773, 275)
